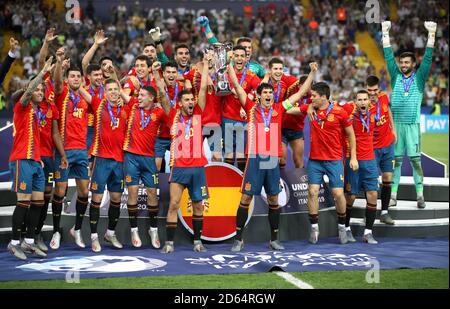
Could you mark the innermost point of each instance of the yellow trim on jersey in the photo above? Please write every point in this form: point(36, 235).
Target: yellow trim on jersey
point(97, 126)
point(126, 142)
point(30, 134)
point(174, 133)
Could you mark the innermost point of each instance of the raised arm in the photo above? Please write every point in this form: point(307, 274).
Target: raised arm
point(99, 39)
point(207, 57)
point(58, 75)
point(49, 37)
point(240, 92)
point(35, 83)
point(425, 65)
point(161, 85)
point(388, 53)
point(206, 29)
point(85, 94)
point(306, 85)
point(6, 64)
point(155, 33)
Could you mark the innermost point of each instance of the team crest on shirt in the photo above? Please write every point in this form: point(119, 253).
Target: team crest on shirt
point(372, 118)
point(244, 84)
point(94, 186)
point(153, 117)
point(128, 178)
point(385, 108)
point(57, 175)
point(123, 114)
point(274, 114)
point(49, 113)
point(248, 186)
point(330, 117)
point(23, 186)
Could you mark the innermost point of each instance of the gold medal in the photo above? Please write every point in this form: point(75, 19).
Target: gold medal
point(266, 129)
point(43, 123)
point(406, 93)
point(186, 137)
point(49, 113)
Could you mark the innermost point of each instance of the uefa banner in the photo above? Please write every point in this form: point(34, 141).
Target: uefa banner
point(224, 182)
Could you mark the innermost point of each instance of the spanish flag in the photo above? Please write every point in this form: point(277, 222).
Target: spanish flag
point(224, 184)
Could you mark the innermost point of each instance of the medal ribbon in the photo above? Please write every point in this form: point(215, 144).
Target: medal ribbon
point(187, 128)
point(144, 122)
point(269, 117)
point(111, 114)
point(407, 82)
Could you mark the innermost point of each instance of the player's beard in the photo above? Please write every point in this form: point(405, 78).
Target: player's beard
point(406, 71)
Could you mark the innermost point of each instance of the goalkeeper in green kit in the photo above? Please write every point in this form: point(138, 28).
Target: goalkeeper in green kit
point(407, 91)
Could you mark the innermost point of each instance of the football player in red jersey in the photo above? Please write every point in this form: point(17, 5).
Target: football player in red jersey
point(139, 163)
point(110, 125)
point(26, 165)
point(366, 177)
point(264, 149)
point(73, 129)
point(327, 128)
point(187, 161)
point(384, 138)
point(234, 119)
point(142, 65)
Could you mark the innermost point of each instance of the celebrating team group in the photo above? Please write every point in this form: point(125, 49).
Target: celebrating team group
point(108, 132)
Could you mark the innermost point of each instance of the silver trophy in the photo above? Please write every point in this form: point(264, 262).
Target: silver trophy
point(220, 65)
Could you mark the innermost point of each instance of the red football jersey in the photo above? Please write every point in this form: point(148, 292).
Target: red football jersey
point(99, 93)
point(26, 137)
point(364, 135)
point(134, 91)
point(326, 133)
point(50, 113)
point(142, 129)
point(186, 150)
point(73, 119)
point(212, 114)
point(261, 141)
point(109, 132)
point(172, 94)
point(231, 105)
point(382, 135)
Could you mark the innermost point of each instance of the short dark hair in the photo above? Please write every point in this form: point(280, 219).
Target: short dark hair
point(105, 58)
point(275, 61)
point(263, 86)
point(408, 54)
point(322, 89)
point(183, 92)
point(144, 58)
point(74, 68)
point(170, 64)
point(92, 67)
point(243, 39)
point(111, 81)
point(149, 44)
point(150, 90)
point(372, 80)
point(239, 47)
point(361, 91)
point(182, 46)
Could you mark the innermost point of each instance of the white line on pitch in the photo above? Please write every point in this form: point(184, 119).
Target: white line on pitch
point(293, 280)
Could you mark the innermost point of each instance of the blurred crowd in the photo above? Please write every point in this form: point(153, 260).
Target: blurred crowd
point(325, 33)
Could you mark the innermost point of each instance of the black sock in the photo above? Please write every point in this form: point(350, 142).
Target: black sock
point(241, 218)
point(170, 230)
point(274, 221)
point(341, 217)
point(34, 213)
point(23, 229)
point(371, 210)
point(163, 165)
point(132, 214)
point(241, 163)
point(348, 215)
point(113, 215)
point(153, 213)
point(43, 215)
point(18, 218)
point(386, 189)
point(197, 222)
point(56, 211)
point(81, 206)
point(313, 218)
point(94, 216)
